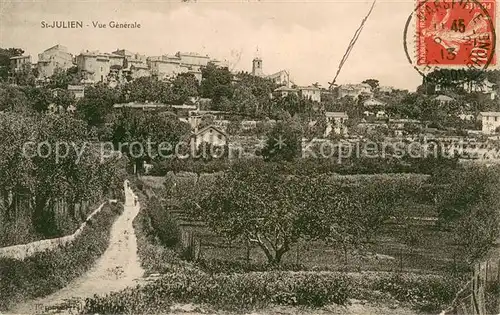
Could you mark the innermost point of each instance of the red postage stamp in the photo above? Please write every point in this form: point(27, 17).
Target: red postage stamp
point(456, 33)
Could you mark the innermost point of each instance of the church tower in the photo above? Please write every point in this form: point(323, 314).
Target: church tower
point(257, 65)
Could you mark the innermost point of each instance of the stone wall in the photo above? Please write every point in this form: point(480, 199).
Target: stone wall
point(23, 251)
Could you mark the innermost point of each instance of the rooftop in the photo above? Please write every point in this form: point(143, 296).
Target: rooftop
point(443, 98)
point(490, 114)
point(336, 114)
point(20, 57)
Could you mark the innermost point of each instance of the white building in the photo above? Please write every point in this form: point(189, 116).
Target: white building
point(209, 134)
point(491, 121)
point(77, 90)
point(336, 122)
point(310, 92)
point(354, 90)
point(373, 102)
point(53, 58)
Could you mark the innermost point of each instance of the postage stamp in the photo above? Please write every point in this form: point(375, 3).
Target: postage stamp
point(455, 33)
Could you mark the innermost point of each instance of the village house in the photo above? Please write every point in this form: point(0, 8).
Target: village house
point(399, 127)
point(336, 122)
point(77, 90)
point(96, 66)
point(485, 87)
point(142, 106)
point(443, 99)
point(310, 92)
point(385, 89)
point(280, 78)
point(373, 102)
point(55, 57)
point(18, 62)
point(284, 91)
point(490, 122)
point(209, 134)
point(354, 90)
point(167, 66)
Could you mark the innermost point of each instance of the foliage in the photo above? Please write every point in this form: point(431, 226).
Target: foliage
point(227, 292)
point(216, 83)
point(155, 135)
point(13, 99)
point(97, 103)
point(373, 83)
point(273, 211)
point(165, 228)
point(47, 272)
point(61, 78)
point(5, 55)
point(185, 85)
point(469, 205)
point(44, 163)
point(427, 294)
point(284, 141)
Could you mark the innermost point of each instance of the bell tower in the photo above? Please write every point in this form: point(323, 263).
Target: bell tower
point(257, 65)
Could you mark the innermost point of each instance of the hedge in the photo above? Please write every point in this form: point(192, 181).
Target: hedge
point(226, 292)
point(258, 290)
point(47, 272)
point(307, 166)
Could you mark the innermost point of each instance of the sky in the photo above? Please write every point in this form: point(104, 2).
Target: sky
point(306, 38)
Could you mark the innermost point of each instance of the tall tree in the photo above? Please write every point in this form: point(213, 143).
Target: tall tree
point(5, 55)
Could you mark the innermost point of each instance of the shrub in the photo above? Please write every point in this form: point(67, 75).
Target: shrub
point(155, 258)
point(231, 266)
point(426, 293)
point(47, 272)
point(227, 292)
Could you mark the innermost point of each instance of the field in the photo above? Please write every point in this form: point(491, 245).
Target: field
point(430, 251)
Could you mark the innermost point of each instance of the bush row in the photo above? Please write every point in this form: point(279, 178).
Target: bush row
point(47, 272)
point(258, 290)
point(227, 292)
point(425, 293)
point(154, 257)
point(235, 266)
point(307, 166)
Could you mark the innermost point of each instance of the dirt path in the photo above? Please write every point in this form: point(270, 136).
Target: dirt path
point(118, 268)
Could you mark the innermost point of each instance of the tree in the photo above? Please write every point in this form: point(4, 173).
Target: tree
point(260, 207)
point(5, 55)
point(185, 85)
point(274, 211)
point(61, 78)
point(244, 101)
point(469, 205)
point(373, 83)
point(146, 89)
point(13, 99)
point(24, 75)
point(216, 83)
point(284, 141)
point(97, 104)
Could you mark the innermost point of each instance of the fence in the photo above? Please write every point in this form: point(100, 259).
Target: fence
point(23, 251)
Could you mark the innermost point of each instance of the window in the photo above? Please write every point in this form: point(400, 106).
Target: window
point(496, 118)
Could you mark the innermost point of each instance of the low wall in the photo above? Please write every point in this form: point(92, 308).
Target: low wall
point(23, 251)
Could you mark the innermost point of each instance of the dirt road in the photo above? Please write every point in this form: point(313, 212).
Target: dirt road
point(118, 268)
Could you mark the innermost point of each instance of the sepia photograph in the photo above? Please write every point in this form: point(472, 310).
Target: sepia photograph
point(250, 157)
